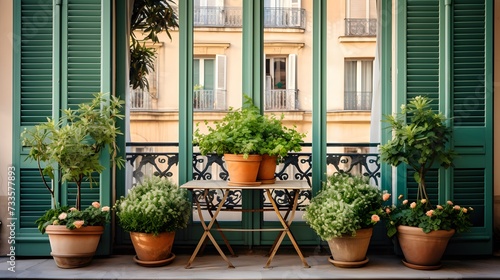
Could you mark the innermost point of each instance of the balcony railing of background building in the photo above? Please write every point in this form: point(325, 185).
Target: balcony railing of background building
point(360, 27)
point(140, 99)
point(208, 100)
point(233, 17)
point(281, 99)
point(356, 100)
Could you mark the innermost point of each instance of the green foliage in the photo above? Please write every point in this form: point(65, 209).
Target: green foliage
point(74, 144)
point(420, 142)
point(94, 215)
point(155, 206)
point(421, 214)
point(345, 204)
point(245, 131)
point(150, 17)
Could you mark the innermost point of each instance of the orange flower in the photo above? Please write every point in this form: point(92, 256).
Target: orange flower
point(429, 213)
point(78, 224)
point(96, 204)
point(405, 201)
point(400, 196)
point(439, 207)
point(464, 210)
point(449, 202)
point(456, 207)
point(375, 218)
point(413, 205)
point(62, 216)
point(388, 210)
point(105, 208)
point(423, 201)
point(72, 209)
point(386, 196)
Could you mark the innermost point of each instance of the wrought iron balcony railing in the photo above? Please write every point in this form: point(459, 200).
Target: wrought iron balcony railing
point(233, 17)
point(161, 159)
point(360, 27)
point(140, 99)
point(358, 100)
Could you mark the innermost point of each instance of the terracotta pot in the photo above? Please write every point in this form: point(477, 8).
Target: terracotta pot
point(150, 247)
point(73, 248)
point(242, 172)
point(350, 251)
point(423, 250)
point(267, 169)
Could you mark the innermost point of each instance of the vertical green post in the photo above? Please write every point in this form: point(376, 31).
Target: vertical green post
point(386, 78)
point(400, 95)
point(121, 86)
point(185, 91)
point(445, 89)
point(319, 94)
point(252, 86)
point(253, 37)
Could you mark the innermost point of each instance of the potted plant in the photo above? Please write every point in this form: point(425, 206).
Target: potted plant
point(420, 140)
point(152, 211)
point(344, 213)
point(243, 136)
point(278, 141)
point(71, 147)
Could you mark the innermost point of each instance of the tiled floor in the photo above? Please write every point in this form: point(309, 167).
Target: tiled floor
point(251, 266)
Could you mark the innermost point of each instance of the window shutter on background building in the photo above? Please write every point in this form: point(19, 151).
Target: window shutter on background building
point(220, 82)
point(423, 56)
point(291, 83)
point(61, 59)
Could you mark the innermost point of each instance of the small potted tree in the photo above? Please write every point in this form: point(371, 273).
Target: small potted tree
point(152, 211)
point(71, 147)
point(344, 213)
point(420, 140)
point(243, 136)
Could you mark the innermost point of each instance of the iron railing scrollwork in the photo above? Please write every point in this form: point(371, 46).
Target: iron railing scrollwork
point(296, 166)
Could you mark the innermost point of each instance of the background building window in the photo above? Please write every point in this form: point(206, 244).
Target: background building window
point(209, 79)
point(358, 84)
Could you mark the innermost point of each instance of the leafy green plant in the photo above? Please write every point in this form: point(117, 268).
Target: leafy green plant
point(157, 205)
point(245, 131)
point(278, 139)
point(420, 140)
point(150, 18)
point(420, 143)
point(73, 144)
point(418, 214)
point(344, 205)
point(72, 218)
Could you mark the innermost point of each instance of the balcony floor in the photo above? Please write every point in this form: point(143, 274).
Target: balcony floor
point(251, 266)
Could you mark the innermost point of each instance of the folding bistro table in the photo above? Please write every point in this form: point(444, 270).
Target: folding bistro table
point(206, 185)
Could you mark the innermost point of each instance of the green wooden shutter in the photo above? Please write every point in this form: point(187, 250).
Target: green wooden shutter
point(421, 44)
point(472, 112)
point(61, 59)
point(422, 62)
